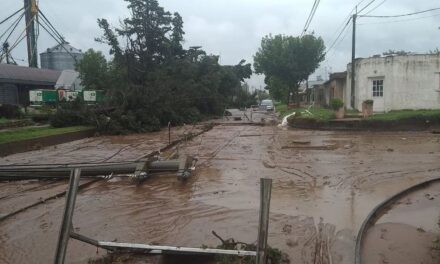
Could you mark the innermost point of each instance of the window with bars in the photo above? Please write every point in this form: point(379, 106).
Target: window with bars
point(377, 88)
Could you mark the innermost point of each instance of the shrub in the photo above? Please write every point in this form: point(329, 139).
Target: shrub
point(70, 114)
point(369, 102)
point(336, 104)
point(40, 118)
point(10, 111)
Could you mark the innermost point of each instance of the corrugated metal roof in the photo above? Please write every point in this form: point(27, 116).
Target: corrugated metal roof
point(63, 48)
point(24, 75)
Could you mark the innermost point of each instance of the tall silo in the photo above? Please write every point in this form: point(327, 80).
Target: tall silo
point(61, 57)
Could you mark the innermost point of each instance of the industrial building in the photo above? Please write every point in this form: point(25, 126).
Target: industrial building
point(17, 81)
point(61, 57)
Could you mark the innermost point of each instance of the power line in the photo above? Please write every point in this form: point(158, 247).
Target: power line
point(397, 21)
point(343, 26)
point(365, 7)
point(311, 15)
point(376, 7)
point(403, 15)
point(340, 34)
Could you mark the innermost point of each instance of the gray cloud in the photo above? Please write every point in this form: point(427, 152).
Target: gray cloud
point(234, 28)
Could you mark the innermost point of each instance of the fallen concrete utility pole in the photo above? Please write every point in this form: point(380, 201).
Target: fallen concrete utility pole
point(67, 231)
point(263, 225)
point(141, 169)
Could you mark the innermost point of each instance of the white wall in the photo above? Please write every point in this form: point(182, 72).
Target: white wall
point(410, 82)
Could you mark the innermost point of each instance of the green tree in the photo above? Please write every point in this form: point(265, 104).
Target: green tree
point(153, 79)
point(93, 70)
point(289, 60)
point(277, 88)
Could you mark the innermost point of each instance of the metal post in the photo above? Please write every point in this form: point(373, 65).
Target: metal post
point(263, 226)
point(66, 225)
point(353, 63)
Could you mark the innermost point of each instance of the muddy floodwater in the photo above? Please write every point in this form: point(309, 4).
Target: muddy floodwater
point(324, 186)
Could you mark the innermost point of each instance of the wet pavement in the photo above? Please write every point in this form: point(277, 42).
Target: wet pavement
point(325, 184)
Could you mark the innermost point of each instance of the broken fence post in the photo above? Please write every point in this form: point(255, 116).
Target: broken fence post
point(263, 225)
point(66, 225)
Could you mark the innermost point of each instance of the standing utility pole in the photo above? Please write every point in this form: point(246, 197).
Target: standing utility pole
point(31, 11)
point(353, 60)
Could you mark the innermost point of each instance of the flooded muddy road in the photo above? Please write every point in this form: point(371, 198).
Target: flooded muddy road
point(324, 185)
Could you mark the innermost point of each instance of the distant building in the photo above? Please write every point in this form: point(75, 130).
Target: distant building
point(333, 88)
point(396, 82)
point(61, 57)
point(17, 81)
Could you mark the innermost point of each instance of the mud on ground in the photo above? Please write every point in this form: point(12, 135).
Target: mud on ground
point(325, 184)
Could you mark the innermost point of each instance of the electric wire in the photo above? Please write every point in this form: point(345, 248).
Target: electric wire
point(376, 7)
point(403, 15)
point(366, 6)
point(342, 28)
point(310, 18)
point(398, 21)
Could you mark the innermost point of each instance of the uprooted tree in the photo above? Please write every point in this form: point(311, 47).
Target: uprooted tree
point(151, 79)
point(287, 61)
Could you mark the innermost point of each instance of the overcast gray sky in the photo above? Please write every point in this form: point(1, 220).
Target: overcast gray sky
point(233, 28)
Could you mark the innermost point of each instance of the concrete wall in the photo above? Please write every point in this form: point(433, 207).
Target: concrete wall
point(335, 89)
point(410, 82)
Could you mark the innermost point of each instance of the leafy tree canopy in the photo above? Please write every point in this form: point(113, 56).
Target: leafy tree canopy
point(287, 61)
point(93, 69)
point(152, 79)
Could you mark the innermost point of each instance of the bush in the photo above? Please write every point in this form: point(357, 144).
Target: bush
point(71, 114)
point(40, 118)
point(336, 104)
point(10, 111)
point(369, 102)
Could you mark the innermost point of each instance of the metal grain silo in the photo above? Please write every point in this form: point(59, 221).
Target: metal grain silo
point(61, 57)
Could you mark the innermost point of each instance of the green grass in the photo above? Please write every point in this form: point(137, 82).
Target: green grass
point(30, 133)
point(407, 114)
point(319, 113)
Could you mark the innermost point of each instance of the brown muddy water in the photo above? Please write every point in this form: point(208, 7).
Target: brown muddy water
point(325, 184)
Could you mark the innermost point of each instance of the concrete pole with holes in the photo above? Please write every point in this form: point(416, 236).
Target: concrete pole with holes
point(263, 225)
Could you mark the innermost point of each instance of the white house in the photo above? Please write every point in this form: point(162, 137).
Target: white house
point(396, 82)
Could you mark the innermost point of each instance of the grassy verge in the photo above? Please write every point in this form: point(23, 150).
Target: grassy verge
point(318, 113)
point(407, 114)
point(30, 133)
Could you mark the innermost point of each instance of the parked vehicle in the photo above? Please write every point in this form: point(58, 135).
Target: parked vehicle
point(267, 105)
